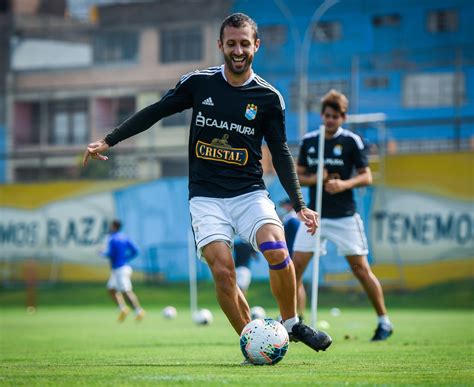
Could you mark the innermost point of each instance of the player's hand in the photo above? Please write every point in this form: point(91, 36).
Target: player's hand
point(310, 219)
point(94, 150)
point(335, 186)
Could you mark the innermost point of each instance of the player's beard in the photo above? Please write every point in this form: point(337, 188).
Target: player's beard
point(231, 65)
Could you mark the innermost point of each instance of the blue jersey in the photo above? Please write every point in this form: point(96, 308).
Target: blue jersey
point(120, 250)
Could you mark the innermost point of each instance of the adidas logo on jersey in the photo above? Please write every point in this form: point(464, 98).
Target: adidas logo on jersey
point(208, 101)
point(312, 150)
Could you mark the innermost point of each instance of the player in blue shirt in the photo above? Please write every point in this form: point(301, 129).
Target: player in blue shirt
point(120, 250)
point(340, 223)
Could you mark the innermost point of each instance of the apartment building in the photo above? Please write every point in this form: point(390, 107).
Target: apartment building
point(71, 82)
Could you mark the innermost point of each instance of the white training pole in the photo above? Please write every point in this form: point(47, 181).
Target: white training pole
point(318, 201)
point(192, 272)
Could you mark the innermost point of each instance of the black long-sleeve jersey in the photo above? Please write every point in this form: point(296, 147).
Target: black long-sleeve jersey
point(226, 133)
point(342, 153)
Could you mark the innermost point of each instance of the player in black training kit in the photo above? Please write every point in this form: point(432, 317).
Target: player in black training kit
point(343, 152)
point(233, 111)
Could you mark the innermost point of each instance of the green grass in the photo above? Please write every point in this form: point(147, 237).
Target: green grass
point(74, 339)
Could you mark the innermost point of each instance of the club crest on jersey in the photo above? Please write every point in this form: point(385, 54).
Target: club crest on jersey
point(251, 111)
point(337, 150)
point(220, 150)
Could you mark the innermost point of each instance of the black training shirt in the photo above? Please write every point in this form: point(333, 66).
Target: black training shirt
point(226, 132)
point(342, 153)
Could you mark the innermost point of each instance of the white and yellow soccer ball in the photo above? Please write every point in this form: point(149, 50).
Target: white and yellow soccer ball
point(202, 317)
point(257, 312)
point(264, 341)
point(170, 312)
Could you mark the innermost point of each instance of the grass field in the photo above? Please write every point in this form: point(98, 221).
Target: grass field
point(74, 339)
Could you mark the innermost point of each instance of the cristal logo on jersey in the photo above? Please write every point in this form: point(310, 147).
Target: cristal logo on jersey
point(251, 111)
point(220, 150)
point(337, 150)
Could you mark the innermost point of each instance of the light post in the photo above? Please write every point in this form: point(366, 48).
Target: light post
point(301, 61)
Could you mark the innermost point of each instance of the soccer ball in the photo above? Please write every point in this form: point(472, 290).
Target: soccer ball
point(323, 324)
point(264, 341)
point(170, 312)
point(202, 317)
point(257, 312)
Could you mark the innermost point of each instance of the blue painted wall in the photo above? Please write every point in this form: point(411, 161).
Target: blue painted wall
point(418, 49)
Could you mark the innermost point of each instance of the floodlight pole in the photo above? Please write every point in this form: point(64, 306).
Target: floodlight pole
point(303, 70)
point(302, 55)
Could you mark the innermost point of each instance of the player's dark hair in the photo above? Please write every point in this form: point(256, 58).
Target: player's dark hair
point(238, 20)
point(116, 225)
point(335, 100)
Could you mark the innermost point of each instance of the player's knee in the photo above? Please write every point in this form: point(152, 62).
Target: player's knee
point(276, 254)
point(360, 271)
point(224, 276)
point(299, 268)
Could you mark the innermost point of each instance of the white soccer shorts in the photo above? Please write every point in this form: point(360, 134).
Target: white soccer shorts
point(216, 219)
point(120, 279)
point(346, 233)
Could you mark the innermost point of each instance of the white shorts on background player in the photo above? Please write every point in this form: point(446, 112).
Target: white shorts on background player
point(216, 219)
point(346, 233)
point(120, 279)
point(243, 276)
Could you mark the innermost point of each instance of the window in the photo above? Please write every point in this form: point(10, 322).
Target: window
point(433, 90)
point(125, 108)
point(442, 21)
point(376, 82)
point(181, 45)
point(325, 32)
point(116, 46)
point(391, 20)
point(68, 122)
point(26, 123)
point(274, 35)
point(111, 112)
point(316, 90)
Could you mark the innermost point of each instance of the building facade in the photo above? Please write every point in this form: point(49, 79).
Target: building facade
point(71, 83)
point(412, 60)
point(65, 81)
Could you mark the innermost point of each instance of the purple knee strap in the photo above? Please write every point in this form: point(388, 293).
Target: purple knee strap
point(272, 246)
point(281, 265)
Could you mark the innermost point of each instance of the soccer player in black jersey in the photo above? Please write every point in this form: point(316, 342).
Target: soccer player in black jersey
point(233, 111)
point(343, 152)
